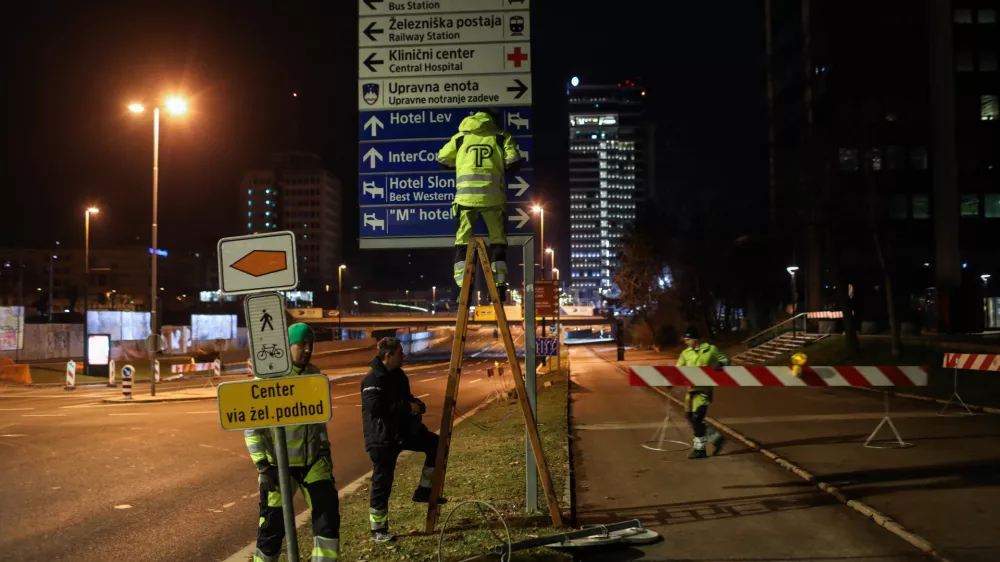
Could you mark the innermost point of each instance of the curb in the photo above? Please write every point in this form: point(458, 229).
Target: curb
point(245, 553)
point(868, 511)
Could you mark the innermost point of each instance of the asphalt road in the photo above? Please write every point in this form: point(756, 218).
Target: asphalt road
point(88, 481)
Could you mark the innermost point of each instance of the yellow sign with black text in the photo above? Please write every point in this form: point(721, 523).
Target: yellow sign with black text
point(274, 402)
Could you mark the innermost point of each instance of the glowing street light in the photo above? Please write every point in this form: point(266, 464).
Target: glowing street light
point(86, 277)
point(176, 106)
point(795, 290)
point(340, 299)
point(541, 213)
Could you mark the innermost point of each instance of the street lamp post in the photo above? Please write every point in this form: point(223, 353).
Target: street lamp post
point(86, 281)
point(176, 106)
point(434, 298)
point(795, 293)
point(541, 213)
point(340, 299)
point(52, 258)
point(553, 254)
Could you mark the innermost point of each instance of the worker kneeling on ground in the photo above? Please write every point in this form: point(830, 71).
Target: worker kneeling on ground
point(392, 423)
point(482, 155)
point(700, 354)
point(311, 470)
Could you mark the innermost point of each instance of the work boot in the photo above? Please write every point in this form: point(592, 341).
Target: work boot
point(423, 495)
point(718, 441)
point(382, 537)
point(697, 454)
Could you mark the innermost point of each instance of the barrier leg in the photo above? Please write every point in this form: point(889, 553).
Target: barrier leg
point(656, 442)
point(954, 396)
point(111, 373)
point(888, 444)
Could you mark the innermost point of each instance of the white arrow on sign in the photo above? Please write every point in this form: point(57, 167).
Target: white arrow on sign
point(374, 123)
point(372, 154)
point(521, 186)
point(522, 219)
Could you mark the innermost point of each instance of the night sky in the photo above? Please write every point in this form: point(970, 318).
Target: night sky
point(72, 68)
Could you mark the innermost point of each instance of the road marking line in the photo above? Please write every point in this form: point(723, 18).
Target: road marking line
point(346, 383)
point(136, 414)
point(422, 395)
point(123, 506)
point(228, 505)
point(43, 415)
point(15, 409)
point(430, 379)
point(477, 380)
point(346, 395)
point(206, 412)
point(13, 434)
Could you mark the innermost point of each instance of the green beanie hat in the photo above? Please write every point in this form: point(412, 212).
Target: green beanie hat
point(299, 332)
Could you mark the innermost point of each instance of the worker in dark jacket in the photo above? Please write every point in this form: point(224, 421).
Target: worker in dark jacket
point(392, 423)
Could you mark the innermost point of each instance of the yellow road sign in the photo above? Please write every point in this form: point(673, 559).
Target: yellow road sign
point(274, 402)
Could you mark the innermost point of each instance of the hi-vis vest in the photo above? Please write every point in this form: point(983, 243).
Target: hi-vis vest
point(480, 154)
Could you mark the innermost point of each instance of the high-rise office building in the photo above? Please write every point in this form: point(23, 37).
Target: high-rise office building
point(608, 180)
point(298, 194)
point(891, 108)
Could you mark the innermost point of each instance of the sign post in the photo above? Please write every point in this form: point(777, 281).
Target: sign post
point(423, 67)
point(257, 266)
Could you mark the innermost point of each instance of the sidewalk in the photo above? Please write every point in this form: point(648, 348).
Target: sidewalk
point(945, 489)
point(738, 506)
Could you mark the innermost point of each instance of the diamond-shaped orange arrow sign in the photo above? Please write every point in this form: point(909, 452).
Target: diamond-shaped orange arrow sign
point(262, 262)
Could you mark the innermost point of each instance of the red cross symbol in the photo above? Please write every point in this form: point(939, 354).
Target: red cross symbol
point(517, 57)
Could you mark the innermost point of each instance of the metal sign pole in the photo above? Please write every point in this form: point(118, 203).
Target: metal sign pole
point(531, 473)
point(287, 498)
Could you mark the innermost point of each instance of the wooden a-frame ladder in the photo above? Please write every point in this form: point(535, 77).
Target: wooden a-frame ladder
point(478, 247)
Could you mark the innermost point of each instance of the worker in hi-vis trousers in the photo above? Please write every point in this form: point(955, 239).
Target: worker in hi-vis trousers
point(700, 354)
point(391, 418)
point(311, 470)
point(482, 155)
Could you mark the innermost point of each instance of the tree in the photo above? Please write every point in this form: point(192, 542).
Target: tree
point(640, 265)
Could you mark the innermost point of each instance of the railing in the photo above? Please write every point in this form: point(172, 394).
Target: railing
point(790, 325)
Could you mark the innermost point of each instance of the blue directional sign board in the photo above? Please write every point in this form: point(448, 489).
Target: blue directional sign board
point(546, 347)
point(423, 67)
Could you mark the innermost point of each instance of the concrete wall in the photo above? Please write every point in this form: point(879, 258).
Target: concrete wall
point(50, 341)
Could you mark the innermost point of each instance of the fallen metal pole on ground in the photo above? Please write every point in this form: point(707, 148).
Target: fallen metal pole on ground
point(595, 531)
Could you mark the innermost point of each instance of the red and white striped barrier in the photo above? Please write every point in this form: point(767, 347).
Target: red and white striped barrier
point(156, 370)
point(216, 368)
point(250, 368)
point(111, 372)
point(127, 372)
point(777, 376)
point(70, 375)
point(192, 367)
point(972, 361)
point(826, 314)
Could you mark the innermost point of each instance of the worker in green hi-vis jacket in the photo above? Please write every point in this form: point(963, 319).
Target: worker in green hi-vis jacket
point(700, 353)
